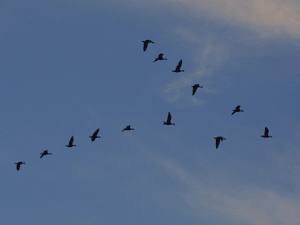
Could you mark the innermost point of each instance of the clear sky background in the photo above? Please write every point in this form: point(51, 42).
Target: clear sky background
point(70, 67)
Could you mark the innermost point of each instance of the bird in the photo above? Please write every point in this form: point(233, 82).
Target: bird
point(160, 57)
point(266, 133)
point(95, 135)
point(128, 128)
point(177, 70)
point(218, 139)
point(237, 109)
point(45, 153)
point(195, 88)
point(71, 142)
point(146, 42)
point(169, 120)
point(19, 164)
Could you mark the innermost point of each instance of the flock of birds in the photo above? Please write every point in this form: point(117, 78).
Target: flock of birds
point(169, 118)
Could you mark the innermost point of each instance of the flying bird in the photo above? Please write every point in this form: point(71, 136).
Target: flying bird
point(19, 164)
point(45, 153)
point(218, 139)
point(169, 120)
point(160, 57)
point(266, 133)
point(95, 135)
point(177, 70)
point(195, 88)
point(71, 142)
point(146, 44)
point(128, 128)
point(237, 109)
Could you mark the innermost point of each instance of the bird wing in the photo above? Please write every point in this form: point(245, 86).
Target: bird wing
point(179, 65)
point(145, 45)
point(233, 112)
point(18, 166)
point(194, 89)
point(71, 140)
point(237, 108)
point(266, 131)
point(96, 132)
point(217, 142)
point(169, 117)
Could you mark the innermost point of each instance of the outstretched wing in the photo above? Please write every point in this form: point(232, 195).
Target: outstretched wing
point(169, 118)
point(179, 65)
point(71, 141)
point(145, 45)
point(194, 89)
point(266, 131)
point(217, 142)
point(18, 166)
point(96, 132)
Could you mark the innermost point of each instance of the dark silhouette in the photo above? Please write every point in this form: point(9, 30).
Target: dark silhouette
point(19, 164)
point(195, 88)
point(146, 44)
point(128, 128)
point(266, 133)
point(237, 109)
point(218, 139)
point(177, 70)
point(95, 135)
point(71, 142)
point(169, 120)
point(160, 57)
point(45, 153)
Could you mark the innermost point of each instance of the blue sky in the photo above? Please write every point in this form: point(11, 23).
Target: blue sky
point(70, 67)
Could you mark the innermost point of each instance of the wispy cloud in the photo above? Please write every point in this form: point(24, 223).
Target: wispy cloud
point(245, 205)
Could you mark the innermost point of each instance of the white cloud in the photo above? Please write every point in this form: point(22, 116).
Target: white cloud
point(265, 16)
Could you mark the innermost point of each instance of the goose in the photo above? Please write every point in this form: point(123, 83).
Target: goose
point(71, 142)
point(266, 133)
point(218, 139)
point(19, 164)
point(146, 42)
point(94, 136)
point(169, 120)
point(128, 128)
point(237, 109)
point(195, 88)
point(160, 57)
point(45, 153)
point(177, 70)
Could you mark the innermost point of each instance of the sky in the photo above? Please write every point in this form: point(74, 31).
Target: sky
point(70, 67)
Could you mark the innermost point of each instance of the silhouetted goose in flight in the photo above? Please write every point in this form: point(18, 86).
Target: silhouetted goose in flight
point(19, 164)
point(128, 128)
point(169, 120)
point(195, 88)
point(266, 133)
point(237, 109)
point(95, 135)
point(146, 44)
point(45, 153)
point(71, 142)
point(218, 139)
point(177, 70)
point(160, 57)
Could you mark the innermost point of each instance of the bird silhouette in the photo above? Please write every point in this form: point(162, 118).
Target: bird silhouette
point(45, 153)
point(195, 88)
point(95, 135)
point(160, 57)
point(237, 109)
point(128, 128)
point(177, 70)
point(19, 164)
point(146, 44)
point(169, 120)
point(71, 142)
point(218, 139)
point(266, 133)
